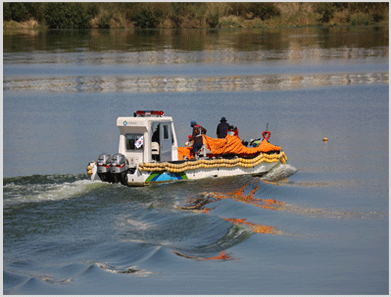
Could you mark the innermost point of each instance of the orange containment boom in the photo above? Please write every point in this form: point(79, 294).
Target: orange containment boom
point(185, 152)
point(228, 145)
point(233, 145)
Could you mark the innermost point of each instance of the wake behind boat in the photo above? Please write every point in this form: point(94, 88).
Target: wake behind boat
point(148, 153)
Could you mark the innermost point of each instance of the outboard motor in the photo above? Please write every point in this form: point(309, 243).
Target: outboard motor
point(119, 167)
point(103, 168)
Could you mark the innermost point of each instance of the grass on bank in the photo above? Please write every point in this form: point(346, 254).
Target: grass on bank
point(108, 15)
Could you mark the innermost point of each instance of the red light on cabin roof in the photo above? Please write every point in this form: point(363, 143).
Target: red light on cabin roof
point(150, 112)
point(157, 112)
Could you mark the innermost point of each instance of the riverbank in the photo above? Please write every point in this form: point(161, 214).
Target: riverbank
point(194, 15)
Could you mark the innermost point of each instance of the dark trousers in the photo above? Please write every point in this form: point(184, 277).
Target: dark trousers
point(196, 147)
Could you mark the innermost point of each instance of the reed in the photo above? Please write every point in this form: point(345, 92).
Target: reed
point(110, 15)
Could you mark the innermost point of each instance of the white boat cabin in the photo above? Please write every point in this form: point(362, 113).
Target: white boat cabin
point(148, 136)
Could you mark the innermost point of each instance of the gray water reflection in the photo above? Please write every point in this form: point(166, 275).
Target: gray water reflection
point(104, 47)
point(292, 54)
point(152, 61)
point(160, 84)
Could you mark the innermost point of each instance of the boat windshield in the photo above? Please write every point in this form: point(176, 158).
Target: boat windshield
point(134, 142)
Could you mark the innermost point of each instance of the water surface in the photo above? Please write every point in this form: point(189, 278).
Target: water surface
point(317, 225)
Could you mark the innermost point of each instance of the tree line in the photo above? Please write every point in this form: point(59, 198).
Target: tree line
point(106, 15)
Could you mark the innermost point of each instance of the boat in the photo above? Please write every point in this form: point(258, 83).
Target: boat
point(148, 154)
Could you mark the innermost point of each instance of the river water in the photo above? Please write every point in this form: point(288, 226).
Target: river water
point(316, 225)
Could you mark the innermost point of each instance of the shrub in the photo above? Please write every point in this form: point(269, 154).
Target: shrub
point(67, 15)
point(176, 16)
point(7, 13)
point(181, 12)
point(104, 22)
point(92, 9)
point(341, 18)
point(229, 22)
point(107, 15)
point(213, 17)
point(326, 10)
point(378, 16)
point(16, 11)
point(380, 12)
point(38, 11)
point(262, 10)
point(146, 18)
point(366, 7)
point(361, 19)
point(149, 14)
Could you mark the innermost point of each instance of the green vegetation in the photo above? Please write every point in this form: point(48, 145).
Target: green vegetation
point(67, 15)
point(107, 15)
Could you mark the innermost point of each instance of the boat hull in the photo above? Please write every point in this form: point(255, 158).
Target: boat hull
point(153, 177)
point(164, 172)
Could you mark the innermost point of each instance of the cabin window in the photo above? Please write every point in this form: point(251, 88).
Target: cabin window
point(155, 132)
point(165, 132)
point(134, 142)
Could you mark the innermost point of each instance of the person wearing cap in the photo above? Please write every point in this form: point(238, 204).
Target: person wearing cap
point(197, 136)
point(222, 128)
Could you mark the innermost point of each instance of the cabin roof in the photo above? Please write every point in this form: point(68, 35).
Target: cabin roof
point(141, 121)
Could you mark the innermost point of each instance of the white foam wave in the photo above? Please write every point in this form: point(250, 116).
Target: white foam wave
point(17, 194)
point(129, 270)
point(280, 172)
point(125, 222)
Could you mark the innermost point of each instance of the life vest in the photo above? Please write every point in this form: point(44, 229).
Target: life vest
point(199, 131)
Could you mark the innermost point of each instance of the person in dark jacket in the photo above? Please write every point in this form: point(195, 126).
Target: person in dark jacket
point(222, 128)
point(197, 136)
